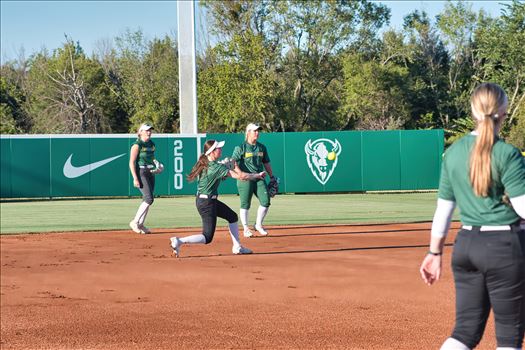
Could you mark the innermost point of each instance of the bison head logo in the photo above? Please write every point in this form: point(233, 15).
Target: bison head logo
point(322, 156)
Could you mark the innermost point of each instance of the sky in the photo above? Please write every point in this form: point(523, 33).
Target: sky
point(29, 26)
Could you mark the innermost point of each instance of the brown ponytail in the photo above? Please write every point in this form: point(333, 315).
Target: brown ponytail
point(202, 162)
point(486, 100)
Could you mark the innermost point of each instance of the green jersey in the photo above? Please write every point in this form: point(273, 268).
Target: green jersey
point(508, 177)
point(146, 152)
point(210, 180)
point(251, 158)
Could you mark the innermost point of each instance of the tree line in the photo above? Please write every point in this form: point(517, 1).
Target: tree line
point(289, 65)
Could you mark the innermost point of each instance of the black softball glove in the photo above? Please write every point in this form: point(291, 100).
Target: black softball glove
point(273, 186)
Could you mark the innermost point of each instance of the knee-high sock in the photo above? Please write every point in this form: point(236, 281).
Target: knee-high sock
point(453, 344)
point(143, 207)
point(143, 217)
point(234, 233)
point(193, 239)
point(243, 213)
point(261, 214)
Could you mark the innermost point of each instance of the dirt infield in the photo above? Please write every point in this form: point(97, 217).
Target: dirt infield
point(309, 287)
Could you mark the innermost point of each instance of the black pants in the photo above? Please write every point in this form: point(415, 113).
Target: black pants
point(147, 185)
point(209, 210)
point(489, 272)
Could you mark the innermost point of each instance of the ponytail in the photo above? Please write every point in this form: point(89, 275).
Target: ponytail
point(202, 162)
point(486, 102)
point(198, 168)
point(480, 159)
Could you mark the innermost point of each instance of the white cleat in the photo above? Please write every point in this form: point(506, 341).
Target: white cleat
point(241, 250)
point(247, 233)
point(143, 229)
point(261, 230)
point(175, 245)
point(134, 227)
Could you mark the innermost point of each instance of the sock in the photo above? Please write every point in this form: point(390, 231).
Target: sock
point(453, 344)
point(193, 239)
point(234, 233)
point(261, 214)
point(143, 217)
point(244, 217)
point(143, 207)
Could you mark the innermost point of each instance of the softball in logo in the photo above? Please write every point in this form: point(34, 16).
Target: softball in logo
point(322, 156)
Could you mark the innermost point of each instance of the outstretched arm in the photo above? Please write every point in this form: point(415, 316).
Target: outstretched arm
point(240, 175)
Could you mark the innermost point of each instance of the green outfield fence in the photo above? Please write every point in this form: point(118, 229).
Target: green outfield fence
point(48, 166)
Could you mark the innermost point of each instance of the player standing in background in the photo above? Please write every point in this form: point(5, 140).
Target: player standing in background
point(143, 167)
point(479, 172)
point(210, 173)
point(252, 157)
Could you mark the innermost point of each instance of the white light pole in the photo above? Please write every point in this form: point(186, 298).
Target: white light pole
point(187, 67)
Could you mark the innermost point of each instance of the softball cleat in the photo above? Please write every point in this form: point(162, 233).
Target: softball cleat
point(175, 245)
point(247, 233)
point(261, 230)
point(239, 249)
point(143, 229)
point(134, 227)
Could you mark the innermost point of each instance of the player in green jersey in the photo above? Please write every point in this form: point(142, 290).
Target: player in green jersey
point(143, 166)
point(210, 173)
point(486, 178)
point(252, 156)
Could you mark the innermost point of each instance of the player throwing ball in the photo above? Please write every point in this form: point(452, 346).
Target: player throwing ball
point(252, 157)
point(479, 173)
point(210, 173)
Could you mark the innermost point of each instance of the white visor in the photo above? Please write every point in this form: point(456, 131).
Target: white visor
point(215, 145)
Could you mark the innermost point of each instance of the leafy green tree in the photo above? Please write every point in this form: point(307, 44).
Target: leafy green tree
point(238, 79)
point(65, 89)
point(375, 94)
point(114, 103)
point(302, 43)
point(13, 119)
point(428, 73)
point(148, 71)
point(314, 36)
point(457, 24)
point(238, 88)
point(517, 132)
point(499, 44)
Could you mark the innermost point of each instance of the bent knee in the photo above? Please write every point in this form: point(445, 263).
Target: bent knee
point(233, 218)
point(208, 237)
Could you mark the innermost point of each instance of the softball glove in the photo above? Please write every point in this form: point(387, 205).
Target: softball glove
point(228, 163)
point(273, 186)
point(159, 167)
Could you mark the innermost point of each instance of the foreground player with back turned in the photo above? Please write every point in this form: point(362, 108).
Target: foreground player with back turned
point(479, 173)
point(252, 156)
point(210, 173)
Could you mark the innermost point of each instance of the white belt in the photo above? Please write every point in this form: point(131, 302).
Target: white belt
point(489, 228)
point(146, 166)
point(214, 196)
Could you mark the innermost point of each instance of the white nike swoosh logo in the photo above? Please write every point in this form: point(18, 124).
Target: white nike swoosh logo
point(72, 172)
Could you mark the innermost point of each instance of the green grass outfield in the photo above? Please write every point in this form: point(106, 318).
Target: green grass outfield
point(176, 212)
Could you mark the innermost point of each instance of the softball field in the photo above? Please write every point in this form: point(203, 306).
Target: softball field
point(305, 287)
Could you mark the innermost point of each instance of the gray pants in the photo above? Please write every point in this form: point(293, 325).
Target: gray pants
point(147, 185)
point(489, 272)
